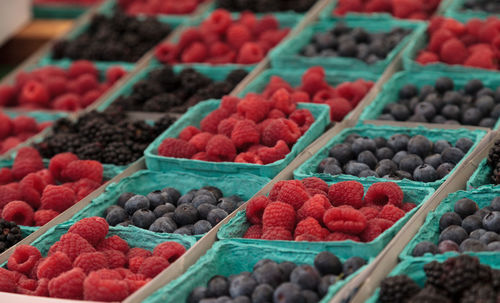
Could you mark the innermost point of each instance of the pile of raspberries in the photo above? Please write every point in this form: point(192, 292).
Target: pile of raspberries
point(475, 43)
point(84, 264)
point(309, 210)
point(32, 195)
point(314, 88)
point(153, 7)
point(16, 130)
point(220, 39)
point(254, 130)
point(52, 87)
point(405, 9)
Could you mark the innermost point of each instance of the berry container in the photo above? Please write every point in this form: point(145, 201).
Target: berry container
point(237, 226)
point(429, 231)
point(58, 10)
point(146, 181)
point(308, 168)
point(389, 92)
point(230, 257)
point(457, 11)
point(481, 176)
point(286, 55)
point(193, 117)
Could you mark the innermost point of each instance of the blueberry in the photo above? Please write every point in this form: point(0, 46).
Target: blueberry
point(491, 221)
point(489, 237)
point(401, 174)
point(471, 223)
point(408, 91)
point(452, 155)
point(333, 170)
point(263, 293)
point(163, 225)
point(444, 169)
point(116, 216)
point(398, 142)
point(473, 86)
point(485, 104)
point(169, 215)
point(325, 162)
point(172, 194)
point(453, 98)
point(440, 146)
point(355, 168)
point(218, 286)
point(310, 296)
point(268, 273)
point(143, 218)
point(363, 144)
point(400, 112)
point(136, 203)
point(216, 215)
point(424, 247)
point(433, 160)
point(368, 173)
point(425, 173)
point(465, 207)
point(109, 209)
point(348, 48)
point(425, 91)
point(495, 204)
point(325, 41)
point(352, 264)
point(242, 286)
point(231, 278)
point(439, 119)
point(451, 112)
point(209, 300)
point(386, 117)
point(454, 233)
point(306, 276)
point(262, 262)
point(464, 144)
point(197, 294)
point(223, 299)
point(384, 153)
point(471, 116)
point(477, 234)
point(436, 101)
point(487, 122)
point(368, 158)
point(399, 156)
point(157, 198)
point(212, 189)
point(123, 198)
point(448, 219)
point(342, 153)
point(350, 138)
point(186, 198)
point(202, 199)
point(485, 91)
point(472, 245)
point(227, 206)
point(448, 245)
point(185, 214)
point(444, 84)
point(310, 51)
point(184, 231)
point(496, 95)
point(481, 213)
point(163, 209)
point(426, 110)
point(418, 118)
point(495, 113)
point(386, 167)
point(419, 145)
point(325, 283)
point(410, 162)
point(288, 293)
point(494, 246)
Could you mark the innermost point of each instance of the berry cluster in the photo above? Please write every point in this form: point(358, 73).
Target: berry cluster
point(220, 39)
point(52, 87)
point(254, 130)
point(163, 90)
point(167, 211)
point(15, 131)
point(113, 38)
point(475, 104)
point(461, 279)
point(10, 235)
point(108, 137)
point(153, 7)
point(475, 44)
point(33, 195)
point(314, 88)
point(344, 41)
point(84, 264)
point(482, 5)
point(399, 157)
point(494, 162)
point(467, 228)
point(270, 281)
point(309, 210)
point(407, 9)
point(266, 6)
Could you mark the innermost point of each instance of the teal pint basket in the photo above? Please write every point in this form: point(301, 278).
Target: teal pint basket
point(238, 225)
point(58, 11)
point(287, 54)
point(429, 231)
point(229, 257)
point(481, 176)
point(194, 116)
point(145, 181)
point(308, 168)
point(39, 116)
point(457, 11)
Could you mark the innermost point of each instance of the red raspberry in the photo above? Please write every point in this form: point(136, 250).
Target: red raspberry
point(134, 285)
point(481, 59)
point(315, 207)
point(6, 175)
point(345, 6)
point(275, 114)
point(277, 233)
point(278, 214)
point(113, 242)
point(339, 108)
point(248, 157)
point(31, 187)
point(255, 209)
point(85, 83)
point(196, 52)
point(135, 263)
point(24, 124)
point(72, 245)
point(81, 67)
point(91, 261)
point(274, 36)
point(303, 118)
point(229, 103)
point(283, 102)
point(404, 8)
point(188, 37)
point(53, 266)
point(352, 91)
point(338, 236)
point(189, 132)
point(253, 232)
point(453, 51)
point(273, 194)
point(408, 206)
point(34, 93)
point(266, 23)
point(80, 169)
point(281, 129)
point(311, 227)
point(221, 147)
point(68, 285)
point(250, 53)
point(7, 94)
point(27, 160)
point(116, 258)
point(438, 38)
point(7, 282)
point(346, 193)
point(237, 35)
point(24, 259)
point(59, 162)
point(427, 58)
point(294, 193)
point(19, 212)
point(115, 73)
point(108, 289)
point(170, 251)
point(300, 96)
point(253, 107)
point(324, 95)
point(93, 229)
point(345, 219)
point(90, 97)
point(219, 21)
point(138, 252)
point(203, 156)
point(200, 140)
point(226, 126)
point(276, 83)
point(41, 289)
point(391, 213)
point(382, 193)
point(176, 148)
point(315, 182)
point(84, 187)
point(6, 125)
point(307, 238)
point(9, 143)
point(488, 32)
point(8, 194)
point(374, 228)
point(26, 285)
point(57, 197)
point(212, 120)
point(152, 266)
point(369, 212)
point(315, 191)
point(245, 133)
point(44, 216)
point(67, 102)
point(166, 53)
point(56, 85)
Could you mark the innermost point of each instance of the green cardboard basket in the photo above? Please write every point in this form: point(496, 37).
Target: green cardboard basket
point(456, 11)
point(481, 176)
point(58, 11)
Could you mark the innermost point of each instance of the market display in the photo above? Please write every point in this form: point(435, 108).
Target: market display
point(16, 130)
point(411, 9)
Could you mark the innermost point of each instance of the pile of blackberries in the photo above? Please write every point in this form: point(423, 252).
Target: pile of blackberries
point(399, 157)
point(474, 104)
point(113, 38)
point(494, 162)
point(265, 6)
point(10, 234)
point(163, 90)
point(488, 6)
point(278, 282)
point(167, 211)
point(108, 137)
point(343, 41)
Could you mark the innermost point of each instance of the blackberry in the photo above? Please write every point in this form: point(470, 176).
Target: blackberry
point(162, 102)
point(10, 235)
point(397, 289)
point(479, 292)
point(430, 294)
point(461, 273)
point(236, 76)
point(90, 151)
point(435, 274)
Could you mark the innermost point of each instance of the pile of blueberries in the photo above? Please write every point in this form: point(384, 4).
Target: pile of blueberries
point(399, 157)
point(474, 104)
point(273, 282)
point(167, 211)
point(343, 41)
point(466, 229)
point(488, 6)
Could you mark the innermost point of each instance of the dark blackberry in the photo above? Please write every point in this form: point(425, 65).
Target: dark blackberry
point(430, 294)
point(479, 292)
point(90, 151)
point(59, 49)
point(495, 278)
point(117, 153)
point(397, 289)
point(146, 90)
point(236, 76)
point(461, 273)
point(162, 103)
point(10, 234)
point(434, 273)
point(192, 80)
point(166, 77)
point(162, 124)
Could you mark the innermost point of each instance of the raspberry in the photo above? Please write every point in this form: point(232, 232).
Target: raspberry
point(6, 176)
point(115, 73)
point(85, 83)
point(266, 23)
point(273, 154)
point(311, 227)
point(53, 266)
point(73, 245)
point(91, 261)
point(339, 108)
point(26, 285)
point(374, 228)
point(276, 83)
point(8, 194)
point(59, 162)
point(135, 263)
point(93, 229)
point(7, 282)
point(345, 219)
point(391, 213)
point(275, 114)
point(315, 207)
point(226, 126)
point(34, 93)
point(7, 94)
point(84, 187)
point(166, 52)
point(57, 198)
point(138, 252)
point(229, 103)
point(218, 21)
point(299, 96)
point(248, 157)
point(277, 233)
point(315, 191)
point(346, 193)
point(6, 126)
point(283, 102)
point(408, 206)
point(196, 52)
point(427, 58)
point(19, 212)
point(324, 95)
point(316, 183)
point(176, 148)
point(338, 236)
point(245, 133)
point(253, 232)
point(212, 120)
point(67, 102)
point(221, 147)
point(273, 194)
point(278, 214)
point(27, 160)
point(90, 97)
point(481, 59)
point(253, 107)
point(203, 156)
point(280, 129)
point(80, 169)
point(294, 193)
point(152, 266)
point(453, 51)
point(31, 187)
point(384, 193)
point(24, 124)
point(24, 259)
point(188, 37)
point(170, 251)
point(369, 212)
point(68, 285)
point(97, 288)
point(113, 242)
point(189, 132)
point(438, 38)
point(303, 118)
point(255, 209)
point(81, 67)
point(237, 35)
